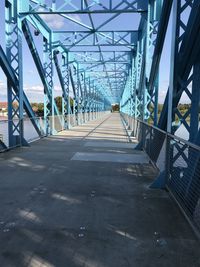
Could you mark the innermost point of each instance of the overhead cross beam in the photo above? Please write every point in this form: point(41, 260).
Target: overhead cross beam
point(38, 12)
point(72, 39)
point(81, 7)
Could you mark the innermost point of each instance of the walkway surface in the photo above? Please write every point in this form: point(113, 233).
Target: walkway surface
point(82, 199)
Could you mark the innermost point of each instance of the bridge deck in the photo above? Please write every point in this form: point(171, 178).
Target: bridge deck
point(81, 198)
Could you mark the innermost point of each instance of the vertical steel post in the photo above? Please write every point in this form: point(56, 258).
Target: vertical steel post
point(48, 101)
point(77, 94)
point(65, 96)
point(84, 98)
point(195, 103)
point(150, 99)
point(14, 56)
point(89, 100)
point(139, 64)
point(92, 99)
point(172, 64)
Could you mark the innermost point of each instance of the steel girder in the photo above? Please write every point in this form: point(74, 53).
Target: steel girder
point(185, 58)
point(71, 39)
point(184, 79)
point(81, 7)
point(185, 76)
point(46, 75)
point(150, 98)
point(63, 75)
point(11, 63)
point(111, 64)
point(92, 36)
point(14, 57)
point(184, 73)
point(144, 93)
point(10, 74)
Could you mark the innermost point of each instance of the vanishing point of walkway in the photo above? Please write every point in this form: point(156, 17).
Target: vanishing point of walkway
point(82, 199)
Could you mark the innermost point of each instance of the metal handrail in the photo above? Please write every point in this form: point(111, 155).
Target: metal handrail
point(168, 134)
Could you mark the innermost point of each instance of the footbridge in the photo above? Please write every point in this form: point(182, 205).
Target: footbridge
point(107, 171)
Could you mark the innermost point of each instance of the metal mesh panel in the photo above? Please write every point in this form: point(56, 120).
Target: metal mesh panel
point(72, 120)
point(151, 139)
point(178, 159)
point(58, 123)
point(183, 171)
point(30, 133)
point(154, 144)
point(4, 132)
point(55, 122)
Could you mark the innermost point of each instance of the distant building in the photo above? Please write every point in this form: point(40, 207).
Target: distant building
point(3, 109)
point(3, 106)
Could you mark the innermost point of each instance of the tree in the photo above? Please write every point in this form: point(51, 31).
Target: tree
point(58, 101)
point(40, 109)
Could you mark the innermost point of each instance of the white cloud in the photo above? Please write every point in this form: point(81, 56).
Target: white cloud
point(35, 93)
point(162, 94)
point(76, 17)
point(3, 91)
point(34, 89)
point(57, 88)
point(39, 89)
point(2, 85)
point(30, 72)
point(55, 22)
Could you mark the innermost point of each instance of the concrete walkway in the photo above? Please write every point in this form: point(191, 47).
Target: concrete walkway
point(81, 199)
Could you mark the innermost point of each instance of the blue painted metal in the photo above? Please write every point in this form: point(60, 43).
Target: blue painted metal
point(63, 75)
point(9, 72)
point(14, 57)
point(162, 28)
point(48, 98)
point(45, 74)
point(159, 182)
point(98, 66)
point(81, 7)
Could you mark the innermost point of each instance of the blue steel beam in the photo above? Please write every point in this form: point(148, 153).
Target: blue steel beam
point(95, 56)
point(184, 59)
point(71, 39)
point(8, 70)
point(40, 68)
point(81, 7)
point(12, 65)
point(75, 95)
point(151, 100)
point(114, 39)
point(72, 81)
point(63, 75)
point(101, 56)
point(14, 57)
point(96, 38)
point(188, 53)
point(162, 29)
point(35, 55)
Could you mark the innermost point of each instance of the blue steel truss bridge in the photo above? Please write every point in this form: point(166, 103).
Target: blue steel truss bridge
point(102, 55)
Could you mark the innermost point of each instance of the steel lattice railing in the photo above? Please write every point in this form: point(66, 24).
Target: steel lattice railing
point(178, 160)
point(55, 125)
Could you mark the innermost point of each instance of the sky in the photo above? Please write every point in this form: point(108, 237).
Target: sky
point(32, 83)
